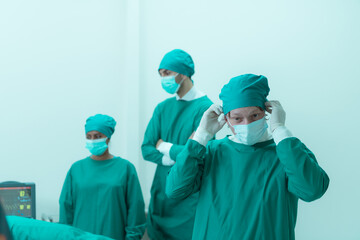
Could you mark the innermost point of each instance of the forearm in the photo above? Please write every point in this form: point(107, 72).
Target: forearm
point(136, 222)
point(151, 137)
point(176, 148)
point(306, 179)
point(135, 232)
point(184, 177)
point(66, 214)
point(151, 154)
point(170, 152)
point(66, 201)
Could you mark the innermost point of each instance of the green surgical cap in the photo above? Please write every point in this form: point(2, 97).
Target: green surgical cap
point(178, 61)
point(246, 90)
point(101, 123)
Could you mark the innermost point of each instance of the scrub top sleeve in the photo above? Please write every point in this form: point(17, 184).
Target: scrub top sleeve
point(306, 179)
point(164, 148)
point(135, 226)
point(185, 176)
point(175, 150)
point(66, 201)
point(152, 135)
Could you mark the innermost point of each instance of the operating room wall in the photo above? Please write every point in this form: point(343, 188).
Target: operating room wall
point(62, 61)
point(309, 50)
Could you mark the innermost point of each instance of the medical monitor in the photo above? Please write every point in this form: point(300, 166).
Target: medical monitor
point(18, 199)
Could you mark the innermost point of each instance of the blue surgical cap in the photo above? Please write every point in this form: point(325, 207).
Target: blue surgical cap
point(178, 61)
point(101, 123)
point(246, 90)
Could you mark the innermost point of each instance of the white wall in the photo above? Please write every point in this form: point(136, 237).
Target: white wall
point(62, 61)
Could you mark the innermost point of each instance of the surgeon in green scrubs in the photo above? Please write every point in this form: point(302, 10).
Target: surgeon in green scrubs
point(172, 124)
point(101, 193)
point(250, 182)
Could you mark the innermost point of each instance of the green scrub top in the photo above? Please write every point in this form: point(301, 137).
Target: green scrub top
point(173, 121)
point(31, 229)
point(105, 198)
point(247, 192)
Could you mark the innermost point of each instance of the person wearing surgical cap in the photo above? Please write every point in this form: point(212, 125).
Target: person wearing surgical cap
point(250, 182)
point(102, 193)
point(172, 124)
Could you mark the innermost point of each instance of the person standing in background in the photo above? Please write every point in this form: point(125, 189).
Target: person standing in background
point(172, 124)
point(102, 193)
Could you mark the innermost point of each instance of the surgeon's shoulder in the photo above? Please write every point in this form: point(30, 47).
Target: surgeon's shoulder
point(80, 163)
point(125, 164)
point(204, 103)
point(217, 144)
point(206, 100)
point(166, 102)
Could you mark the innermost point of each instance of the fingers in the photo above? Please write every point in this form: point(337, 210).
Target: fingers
point(214, 109)
point(268, 109)
point(221, 119)
point(217, 109)
point(270, 105)
point(273, 103)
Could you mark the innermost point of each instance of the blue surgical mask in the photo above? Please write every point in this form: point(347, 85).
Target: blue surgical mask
point(97, 147)
point(251, 133)
point(169, 84)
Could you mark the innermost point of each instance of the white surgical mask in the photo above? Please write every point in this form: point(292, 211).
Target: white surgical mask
point(250, 134)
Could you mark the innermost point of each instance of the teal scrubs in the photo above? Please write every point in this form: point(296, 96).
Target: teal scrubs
point(247, 192)
point(173, 121)
point(31, 229)
point(105, 198)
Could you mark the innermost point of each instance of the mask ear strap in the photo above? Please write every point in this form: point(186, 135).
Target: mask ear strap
point(266, 115)
point(182, 80)
point(225, 116)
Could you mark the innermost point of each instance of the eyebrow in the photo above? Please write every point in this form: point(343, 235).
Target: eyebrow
point(250, 113)
point(255, 111)
point(95, 134)
point(235, 114)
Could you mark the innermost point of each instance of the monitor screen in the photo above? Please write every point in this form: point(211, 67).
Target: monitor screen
point(18, 199)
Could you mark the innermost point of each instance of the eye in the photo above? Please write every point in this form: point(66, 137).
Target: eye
point(255, 115)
